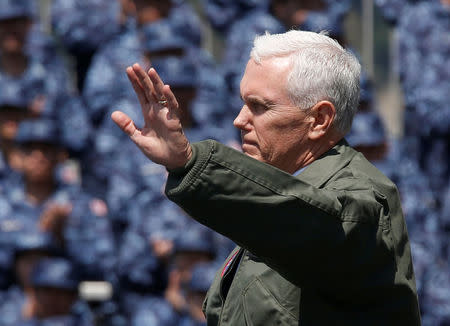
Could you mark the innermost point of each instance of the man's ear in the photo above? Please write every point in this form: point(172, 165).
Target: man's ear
point(321, 116)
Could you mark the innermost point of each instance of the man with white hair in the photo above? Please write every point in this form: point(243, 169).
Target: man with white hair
point(308, 212)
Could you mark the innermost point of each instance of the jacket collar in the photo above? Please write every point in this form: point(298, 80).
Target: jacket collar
point(326, 166)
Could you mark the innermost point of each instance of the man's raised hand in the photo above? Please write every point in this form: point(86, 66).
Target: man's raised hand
point(161, 139)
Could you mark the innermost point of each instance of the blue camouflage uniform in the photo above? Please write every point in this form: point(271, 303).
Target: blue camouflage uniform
point(201, 279)
point(106, 80)
point(35, 81)
point(424, 42)
point(436, 298)
point(38, 44)
point(222, 13)
point(154, 311)
point(71, 114)
point(367, 129)
point(165, 36)
point(46, 73)
point(187, 22)
point(392, 10)
point(85, 24)
point(20, 237)
point(140, 271)
point(82, 26)
point(87, 232)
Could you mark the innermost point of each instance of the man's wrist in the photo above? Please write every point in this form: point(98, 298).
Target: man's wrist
point(181, 169)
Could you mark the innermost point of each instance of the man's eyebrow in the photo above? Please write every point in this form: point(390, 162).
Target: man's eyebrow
point(258, 100)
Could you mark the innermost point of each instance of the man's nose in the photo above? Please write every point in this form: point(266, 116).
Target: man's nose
point(242, 118)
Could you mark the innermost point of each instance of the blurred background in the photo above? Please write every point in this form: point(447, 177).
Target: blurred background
point(87, 236)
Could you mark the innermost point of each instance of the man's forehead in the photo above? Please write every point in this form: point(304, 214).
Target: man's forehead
point(263, 78)
point(279, 63)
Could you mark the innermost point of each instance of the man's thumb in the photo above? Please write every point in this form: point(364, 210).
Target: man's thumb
point(124, 122)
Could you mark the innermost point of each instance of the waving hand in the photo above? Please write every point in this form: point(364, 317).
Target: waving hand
point(161, 139)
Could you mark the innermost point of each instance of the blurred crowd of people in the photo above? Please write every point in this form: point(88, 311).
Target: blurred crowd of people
point(80, 205)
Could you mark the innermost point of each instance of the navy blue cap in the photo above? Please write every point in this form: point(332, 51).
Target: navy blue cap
point(16, 9)
point(17, 102)
point(367, 130)
point(202, 277)
point(197, 238)
point(39, 130)
point(55, 273)
point(176, 71)
point(161, 36)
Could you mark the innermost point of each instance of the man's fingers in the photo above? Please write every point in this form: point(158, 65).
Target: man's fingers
point(147, 85)
point(136, 85)
point(124, 122)
point(157, 83)
point(170, 97)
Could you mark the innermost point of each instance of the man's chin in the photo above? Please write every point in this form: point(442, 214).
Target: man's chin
point(251, 153)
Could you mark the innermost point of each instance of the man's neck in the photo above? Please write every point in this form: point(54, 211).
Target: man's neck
point(314, 151)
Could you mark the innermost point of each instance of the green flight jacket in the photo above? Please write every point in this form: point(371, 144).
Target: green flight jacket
point(336, 231)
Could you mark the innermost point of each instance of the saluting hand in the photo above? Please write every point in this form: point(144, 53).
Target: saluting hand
point(161, 139)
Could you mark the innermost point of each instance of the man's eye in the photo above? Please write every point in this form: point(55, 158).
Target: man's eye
point(258, 106)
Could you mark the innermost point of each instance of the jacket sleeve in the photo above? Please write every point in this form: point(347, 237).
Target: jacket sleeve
point(305, 233)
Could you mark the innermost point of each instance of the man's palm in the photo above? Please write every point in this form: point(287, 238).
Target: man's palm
point(161, 139)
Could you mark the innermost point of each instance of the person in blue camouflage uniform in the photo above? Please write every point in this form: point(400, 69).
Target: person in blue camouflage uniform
point(38, 44)
point(201, 279)
point(82, 26)
point(29, 86)
point(25, 246)
point(108, 64)
point(193, 245)
point(24, 70)
point(424, 45)
point(425, 42)
point(145, 252)
point(422, 28)
point(78, 221)
point(55, 285)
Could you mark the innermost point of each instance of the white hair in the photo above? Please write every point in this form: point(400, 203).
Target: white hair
point(321, 70)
